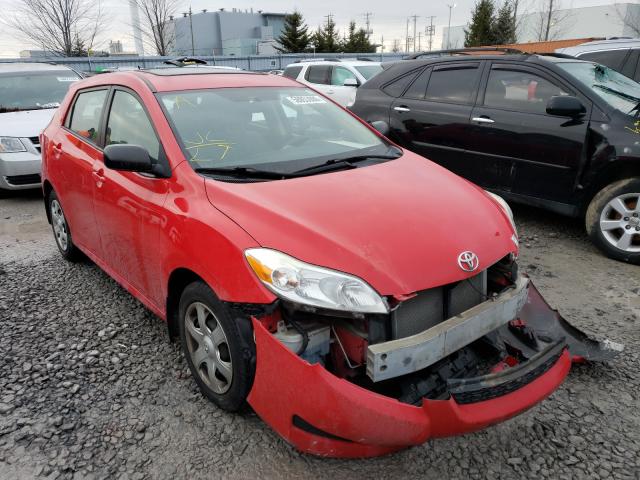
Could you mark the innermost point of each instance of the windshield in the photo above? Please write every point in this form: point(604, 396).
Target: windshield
point(619, 91)
point(369, 71)
point(236, 127)
point(34, 90)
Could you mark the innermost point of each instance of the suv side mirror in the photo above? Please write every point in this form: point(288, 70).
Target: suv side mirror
point(381, 126)
point(350, 82)
point(565, 106)
point(130, 158)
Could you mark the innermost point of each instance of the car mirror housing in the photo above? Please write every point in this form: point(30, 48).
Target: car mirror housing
point(350, 82)
point(381, 126)
point(131, 158)
point(565, 106)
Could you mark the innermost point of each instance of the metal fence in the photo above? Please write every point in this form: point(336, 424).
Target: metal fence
point(252, 62)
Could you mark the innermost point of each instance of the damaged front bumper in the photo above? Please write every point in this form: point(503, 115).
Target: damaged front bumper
point(322, 414)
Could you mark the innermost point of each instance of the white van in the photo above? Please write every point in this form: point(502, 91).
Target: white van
point(29, 95)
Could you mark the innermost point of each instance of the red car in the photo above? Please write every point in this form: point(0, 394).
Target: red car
point(359, 297)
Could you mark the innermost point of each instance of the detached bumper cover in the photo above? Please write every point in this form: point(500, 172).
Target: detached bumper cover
point(322, 414)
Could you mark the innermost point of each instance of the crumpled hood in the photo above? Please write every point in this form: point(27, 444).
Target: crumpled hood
point(398, 225)
point(28, 123)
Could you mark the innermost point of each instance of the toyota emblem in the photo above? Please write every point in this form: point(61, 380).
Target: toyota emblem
point(468, 261)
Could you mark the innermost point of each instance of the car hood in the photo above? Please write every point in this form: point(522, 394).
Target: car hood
point(399, 225)
point(27, 123)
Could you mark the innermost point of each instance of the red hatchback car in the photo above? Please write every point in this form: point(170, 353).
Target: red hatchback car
point(360, 298)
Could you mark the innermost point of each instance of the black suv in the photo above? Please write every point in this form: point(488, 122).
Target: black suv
point(548, 131)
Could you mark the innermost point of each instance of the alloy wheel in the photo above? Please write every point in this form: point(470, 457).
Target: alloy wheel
point(620, 222)
point(59, 224)
point(208, 347)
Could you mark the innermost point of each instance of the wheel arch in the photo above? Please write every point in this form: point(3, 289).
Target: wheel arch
point(615, 171)
point(178, 281)
point(47, 188)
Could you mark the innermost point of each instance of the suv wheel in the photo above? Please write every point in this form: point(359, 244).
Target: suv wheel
point(613, 220)
point(61, 231)
point(218, 354)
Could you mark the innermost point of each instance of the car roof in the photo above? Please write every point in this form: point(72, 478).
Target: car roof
point(18, 67)
point(601, 45)
point(353, 63)
point(188, 78)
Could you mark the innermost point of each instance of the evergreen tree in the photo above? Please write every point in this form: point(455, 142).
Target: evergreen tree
point(357, 41)
point(326, 39)
point(295, 37)
point(505, 25)
point(481, 29)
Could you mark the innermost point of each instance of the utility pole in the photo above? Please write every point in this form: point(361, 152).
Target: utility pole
point(430, 30)
point(419, 41)
point(549, 16)
point(381, 43)
point(451, 7)
point(367, 22)
point(329, 18)
point(415, 33)
point(406, 43)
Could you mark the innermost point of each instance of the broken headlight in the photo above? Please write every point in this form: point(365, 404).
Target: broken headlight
point(307, 284)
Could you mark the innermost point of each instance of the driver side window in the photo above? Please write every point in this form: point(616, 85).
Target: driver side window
point(128, 124)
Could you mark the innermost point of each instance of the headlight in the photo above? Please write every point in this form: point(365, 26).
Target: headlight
point(307, 284)
point(11, 145)
point(507, 209)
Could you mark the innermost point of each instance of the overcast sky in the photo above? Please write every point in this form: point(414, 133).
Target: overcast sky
point(388, 18)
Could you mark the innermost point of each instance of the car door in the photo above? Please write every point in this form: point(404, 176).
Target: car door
point(75, 149)
point(342, 94)
point(432, 116)
point(129, 205)
point(530, 152)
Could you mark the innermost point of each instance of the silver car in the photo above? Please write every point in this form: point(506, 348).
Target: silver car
point(29, 95)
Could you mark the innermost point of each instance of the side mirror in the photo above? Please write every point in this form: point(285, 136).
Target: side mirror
point(130, 158)
point(350, 82)
point(565, 106)
point(381, 126)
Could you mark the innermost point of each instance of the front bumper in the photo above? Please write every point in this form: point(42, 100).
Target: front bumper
point(20, 171)
point(322, 414)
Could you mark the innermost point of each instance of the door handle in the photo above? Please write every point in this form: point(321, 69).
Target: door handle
point(99, 177)
point(57, 150)
point(401, 109)
point(482, 120)
point(331, 92)
point(57, 147)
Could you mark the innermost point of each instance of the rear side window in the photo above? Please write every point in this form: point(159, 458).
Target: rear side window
point(292, 72)
point(611, 58)
point(128, 124)
point(455, 84)
point(320, 74)
point(398, 86)
point(87, 110)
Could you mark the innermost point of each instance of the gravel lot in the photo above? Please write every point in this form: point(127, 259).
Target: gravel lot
point(90, 387)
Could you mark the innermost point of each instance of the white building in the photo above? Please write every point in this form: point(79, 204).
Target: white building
point(583, 22)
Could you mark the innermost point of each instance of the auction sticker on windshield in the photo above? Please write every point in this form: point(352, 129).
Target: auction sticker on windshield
point(306, 99)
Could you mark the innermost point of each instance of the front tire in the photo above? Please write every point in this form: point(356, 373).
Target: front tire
point(216, 347)
point(61, 231)
point(613, 220)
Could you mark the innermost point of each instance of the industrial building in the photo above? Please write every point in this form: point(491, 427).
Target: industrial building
point(600, 21)
point(235, 32)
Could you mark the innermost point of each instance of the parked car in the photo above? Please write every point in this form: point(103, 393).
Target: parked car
point(621, 54)
point(29, 94)
point(556, 133)
point(305, 262)
point(337, 79)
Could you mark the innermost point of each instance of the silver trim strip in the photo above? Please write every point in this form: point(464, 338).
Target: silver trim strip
point(406, 355)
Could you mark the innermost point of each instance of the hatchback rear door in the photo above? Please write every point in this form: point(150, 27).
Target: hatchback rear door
point(432, 115)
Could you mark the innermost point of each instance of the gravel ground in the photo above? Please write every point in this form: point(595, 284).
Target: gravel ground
point(90, 387)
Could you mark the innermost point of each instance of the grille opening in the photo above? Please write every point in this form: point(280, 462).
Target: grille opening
point(35, 142)
point(19, 180)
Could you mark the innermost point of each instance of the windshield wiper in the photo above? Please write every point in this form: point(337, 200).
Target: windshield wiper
point(244, 172)
point(339, 163)
point(626, 96)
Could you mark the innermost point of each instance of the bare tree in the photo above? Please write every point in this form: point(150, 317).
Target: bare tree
point(629, 18)
point(156, 24)
point(551, 20)
point(63, 27)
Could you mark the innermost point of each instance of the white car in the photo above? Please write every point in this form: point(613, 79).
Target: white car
point(29, 95)
point(337, 79)
point(620, 54)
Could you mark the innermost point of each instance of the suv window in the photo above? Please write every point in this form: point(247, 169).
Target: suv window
point(519, 90)
point(418, 88)
point(128, 123)
point(87, 110)
point(453, 84)
point(340, 74)
point(610, 58)
point(398, 86)
point(320, 74)
point(292, 72)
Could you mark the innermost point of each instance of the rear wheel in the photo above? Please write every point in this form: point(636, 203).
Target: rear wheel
point(613, 220)
point(61, 231)
point(217, 350)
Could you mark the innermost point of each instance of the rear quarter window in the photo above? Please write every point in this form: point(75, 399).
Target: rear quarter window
point(292, 72)
point(396, 87)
